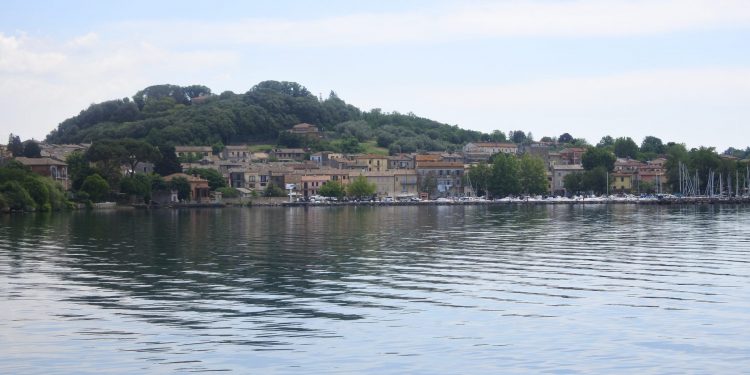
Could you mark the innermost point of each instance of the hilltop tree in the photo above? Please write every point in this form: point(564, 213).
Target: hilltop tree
point(498, 136)
point(565, 138)
point(164, 115)
point(625, 147)
point(15, 146)
point(517, 136)
point(31, 149)
point(653, 145)
point(606, 141)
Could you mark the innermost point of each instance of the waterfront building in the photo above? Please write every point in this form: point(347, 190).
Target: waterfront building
point(373, 162)
point(401, 161)
point(443, 178)
point(48, 167)
point(559, 172)
point(199, 189)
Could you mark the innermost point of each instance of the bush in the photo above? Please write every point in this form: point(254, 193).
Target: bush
point(38, 192)
point(228, 192)
point(17, 198)
point(96, 187)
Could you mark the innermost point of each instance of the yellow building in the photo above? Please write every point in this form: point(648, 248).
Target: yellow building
point(621, 182)
point(374, 163)
point(395, 184)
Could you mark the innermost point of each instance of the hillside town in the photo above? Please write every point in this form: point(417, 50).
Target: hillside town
point(400, 177)
point(246, 172)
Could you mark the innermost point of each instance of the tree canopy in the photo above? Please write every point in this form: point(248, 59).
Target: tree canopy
point(165, 115)
point(598, 157)
point(625, 147)
point(360, 188)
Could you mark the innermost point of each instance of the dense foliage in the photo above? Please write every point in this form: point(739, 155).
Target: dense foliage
point(360, 188)
point(332, 189)
point(20, 189)
point(509, 175)
point(172, 115)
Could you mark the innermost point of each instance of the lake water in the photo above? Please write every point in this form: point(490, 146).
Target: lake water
point(383, 290)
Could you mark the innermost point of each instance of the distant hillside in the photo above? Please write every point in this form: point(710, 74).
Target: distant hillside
point(193, 115)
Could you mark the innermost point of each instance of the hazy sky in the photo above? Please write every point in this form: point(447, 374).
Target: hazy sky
point(675, 69)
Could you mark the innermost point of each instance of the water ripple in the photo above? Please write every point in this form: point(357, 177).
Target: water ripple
point(443, 289)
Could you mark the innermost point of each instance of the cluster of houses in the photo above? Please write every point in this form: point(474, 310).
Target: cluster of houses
point(402, 176)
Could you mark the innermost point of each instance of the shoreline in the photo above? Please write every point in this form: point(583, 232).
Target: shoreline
point(592, 201)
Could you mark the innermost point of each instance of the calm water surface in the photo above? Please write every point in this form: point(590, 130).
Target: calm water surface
point(472, 290)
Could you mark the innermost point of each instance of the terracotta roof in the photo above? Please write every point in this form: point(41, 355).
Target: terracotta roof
point(370, 156)
point(427, 158)
point(495, 144)
point(39, 161)
point(569, 167)
point(185, 176)
point(440, 164)
point(192, 148)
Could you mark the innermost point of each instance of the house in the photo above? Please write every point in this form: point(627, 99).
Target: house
point(452, 157)
point(559, 172)
point(61, 152)
point(198, 151)
point(482, 151)
point(310, 184)
point(324, 158)
point(428, 158)
point(288, 154)
point(306, 130)
point(351, 165)
point(373, 162)
point(572, 155)
point(48, 167)
point(240, 152)
point(406, 183)
point(653, 173)
point(144, 167)
point(199, 189)
point(396, 184)
point(622, 182)
point(441, 178)
point(5, 153)
point(400, 161)
point(625, 176)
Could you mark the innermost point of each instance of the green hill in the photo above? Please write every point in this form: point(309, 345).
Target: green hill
point(193, 115)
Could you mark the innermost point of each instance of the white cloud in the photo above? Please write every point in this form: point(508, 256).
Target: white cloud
point(46, 82)
point(467, 20)
point(16, 57)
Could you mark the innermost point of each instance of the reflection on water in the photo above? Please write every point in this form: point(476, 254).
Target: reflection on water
point(377, 289)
